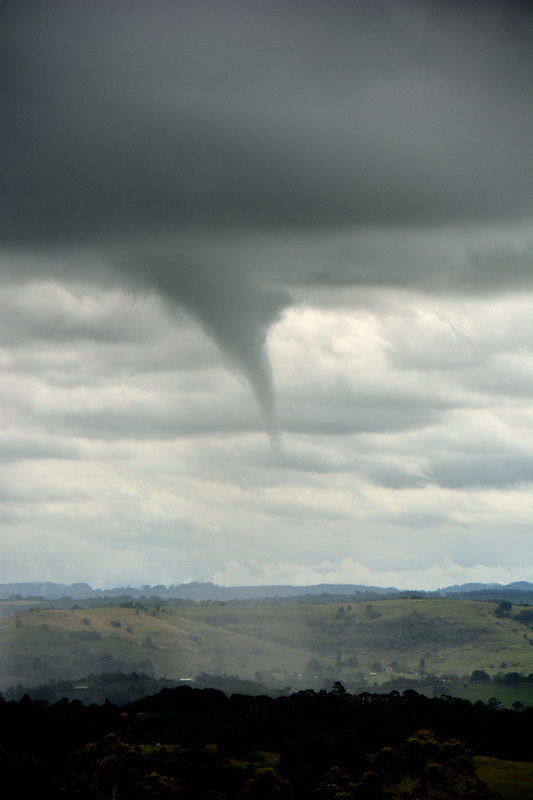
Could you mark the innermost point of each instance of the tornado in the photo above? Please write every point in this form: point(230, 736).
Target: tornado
point(236, 310)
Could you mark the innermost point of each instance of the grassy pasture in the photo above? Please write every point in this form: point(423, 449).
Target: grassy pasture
point(507, 694)
point(37, 646)
point(452, 636)
point(512, 780)
point(341, 641)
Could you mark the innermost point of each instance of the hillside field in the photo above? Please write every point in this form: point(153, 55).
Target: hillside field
point(297, 645)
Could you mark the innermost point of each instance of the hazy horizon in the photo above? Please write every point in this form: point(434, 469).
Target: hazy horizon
point(294, 589)
point(266, 293)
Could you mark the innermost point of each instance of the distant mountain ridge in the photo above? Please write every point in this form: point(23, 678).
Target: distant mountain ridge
point(211, 591)
point(48, 590)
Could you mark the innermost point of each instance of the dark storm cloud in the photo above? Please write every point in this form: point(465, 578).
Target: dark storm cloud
point(493, 261)
point(178, 140)
point(134, 116)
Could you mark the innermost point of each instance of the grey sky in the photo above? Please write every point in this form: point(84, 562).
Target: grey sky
point(203, 201)
point(265, 115)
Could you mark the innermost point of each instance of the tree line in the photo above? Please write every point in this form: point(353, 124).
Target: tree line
point(201, 744)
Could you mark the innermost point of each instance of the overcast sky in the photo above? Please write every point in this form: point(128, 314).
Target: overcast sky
point(265, 292)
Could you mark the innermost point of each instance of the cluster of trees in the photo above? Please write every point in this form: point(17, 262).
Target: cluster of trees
point(399, 634)
point(479, 675)
point(200, 744)
point(505, 609)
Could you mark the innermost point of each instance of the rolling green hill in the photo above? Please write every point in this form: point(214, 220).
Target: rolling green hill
point(295, 645)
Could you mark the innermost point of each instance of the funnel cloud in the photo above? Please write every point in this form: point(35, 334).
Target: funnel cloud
point(236, 311)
